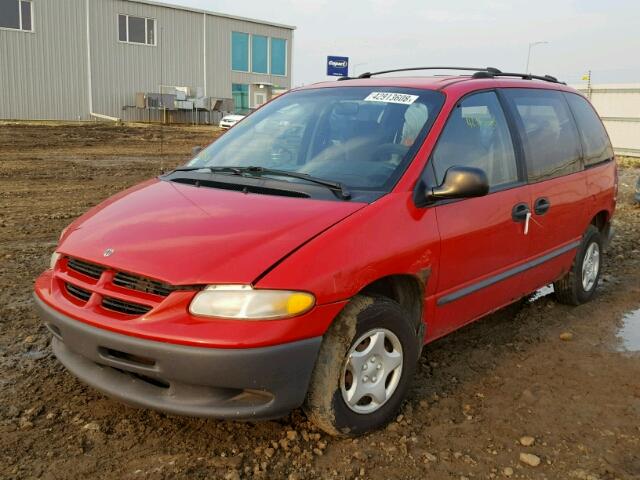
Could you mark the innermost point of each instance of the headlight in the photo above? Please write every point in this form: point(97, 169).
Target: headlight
point(244, 303)
point(54, 259)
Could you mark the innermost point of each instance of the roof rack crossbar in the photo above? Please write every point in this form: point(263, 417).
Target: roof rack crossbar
point(411, 69)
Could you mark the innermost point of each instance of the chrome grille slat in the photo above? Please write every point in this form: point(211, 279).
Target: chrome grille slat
point(128, 308)
point(77, 292)
point(85, 268)
point(141, 284)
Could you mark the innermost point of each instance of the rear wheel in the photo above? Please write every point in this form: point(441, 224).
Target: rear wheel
point(579, 284)
point(364, 368)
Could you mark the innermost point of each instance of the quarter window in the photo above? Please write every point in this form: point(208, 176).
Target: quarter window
point(552, 146)
point(259, 54)
point(16, 15)
point(136, 30)
point(240, 51)
point(477, 135)
point(596, 146)
point(278, 56)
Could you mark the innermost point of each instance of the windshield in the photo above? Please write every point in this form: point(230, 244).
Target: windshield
point(362, 137)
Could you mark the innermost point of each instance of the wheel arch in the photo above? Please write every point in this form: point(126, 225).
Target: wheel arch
point(601, 219)
point(406, 289)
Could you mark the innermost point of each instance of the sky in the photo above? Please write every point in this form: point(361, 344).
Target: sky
point(598, 35)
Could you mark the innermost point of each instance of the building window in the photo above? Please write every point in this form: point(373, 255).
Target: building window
point(136, 30)
point(278, 56)
point(16, 15)
point(240, 51)
point(259, 54)
point(240, 93)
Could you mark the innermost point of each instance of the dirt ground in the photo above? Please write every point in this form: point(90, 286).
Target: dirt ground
point(477, 392)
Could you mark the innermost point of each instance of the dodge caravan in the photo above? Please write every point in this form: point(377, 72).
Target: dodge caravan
point(306, 256)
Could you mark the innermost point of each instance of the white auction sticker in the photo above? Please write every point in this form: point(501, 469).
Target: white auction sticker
point(391, 97)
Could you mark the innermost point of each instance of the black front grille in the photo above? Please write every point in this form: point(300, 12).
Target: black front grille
point(141, 284)
point(128, 308)
point(77, 292)
point(89, 269)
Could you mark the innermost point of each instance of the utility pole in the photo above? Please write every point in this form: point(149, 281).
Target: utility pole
point(531, 45)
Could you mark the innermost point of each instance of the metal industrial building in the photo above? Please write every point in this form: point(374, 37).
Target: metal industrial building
point(135, 60)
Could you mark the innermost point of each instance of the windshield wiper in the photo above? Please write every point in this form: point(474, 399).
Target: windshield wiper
point(254, 170)
point(232, 170)
point(344, 193)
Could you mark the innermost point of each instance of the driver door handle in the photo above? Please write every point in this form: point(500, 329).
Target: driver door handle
point(541, 206)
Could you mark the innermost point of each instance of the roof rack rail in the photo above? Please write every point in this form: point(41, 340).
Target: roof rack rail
point(482, 72)
point(411, 69)
point(524, 76)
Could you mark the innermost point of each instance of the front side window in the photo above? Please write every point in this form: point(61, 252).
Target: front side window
point(595, 141)
point(136, 30)
point(360, 136)
point(552, 146)
point(16, 15)
point(259, 54)
point(240, 51)
point(278, 56)
point(477, 135)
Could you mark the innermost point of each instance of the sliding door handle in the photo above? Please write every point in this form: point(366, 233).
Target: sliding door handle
point(519, 212)
point(541, 206)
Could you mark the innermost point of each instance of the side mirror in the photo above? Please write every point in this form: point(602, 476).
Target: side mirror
point(196, 150)
point(460, 182)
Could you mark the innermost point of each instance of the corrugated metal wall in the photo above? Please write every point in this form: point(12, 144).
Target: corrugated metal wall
point(119, 70)
point(43, 75)
point(619, 107)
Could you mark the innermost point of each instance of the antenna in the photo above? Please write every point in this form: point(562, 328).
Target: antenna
point(162, 105)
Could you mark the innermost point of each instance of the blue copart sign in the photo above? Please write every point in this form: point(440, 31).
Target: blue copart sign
point(337, 66)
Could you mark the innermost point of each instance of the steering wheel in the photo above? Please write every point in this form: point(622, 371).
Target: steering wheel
point(282, 153)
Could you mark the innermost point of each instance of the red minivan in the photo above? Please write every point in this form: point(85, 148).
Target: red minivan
point(305, 257)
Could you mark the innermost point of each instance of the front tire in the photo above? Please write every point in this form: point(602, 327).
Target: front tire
point(579, 284)
point(365, 366)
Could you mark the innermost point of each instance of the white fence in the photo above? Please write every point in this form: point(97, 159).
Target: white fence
point(619, 107)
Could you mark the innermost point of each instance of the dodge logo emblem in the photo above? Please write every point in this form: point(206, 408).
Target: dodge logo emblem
point(108, 252)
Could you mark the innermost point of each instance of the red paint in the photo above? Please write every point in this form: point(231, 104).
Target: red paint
point(183, 235)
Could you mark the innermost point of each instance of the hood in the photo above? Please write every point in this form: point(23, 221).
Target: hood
point(183, 234)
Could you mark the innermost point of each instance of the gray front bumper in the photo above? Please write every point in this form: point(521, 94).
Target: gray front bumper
point(252, 383)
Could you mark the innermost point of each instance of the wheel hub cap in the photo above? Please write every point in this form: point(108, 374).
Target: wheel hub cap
point(372, 370)
point(590, 266)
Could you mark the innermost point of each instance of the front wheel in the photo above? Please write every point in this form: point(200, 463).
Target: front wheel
point(364, 368)
point(579, 284)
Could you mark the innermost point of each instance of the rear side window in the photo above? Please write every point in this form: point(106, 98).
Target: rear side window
point(477, 135)
point(595, 142)
point(552, 146)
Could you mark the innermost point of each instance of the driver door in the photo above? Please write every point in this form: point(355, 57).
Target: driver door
point(483, 243)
